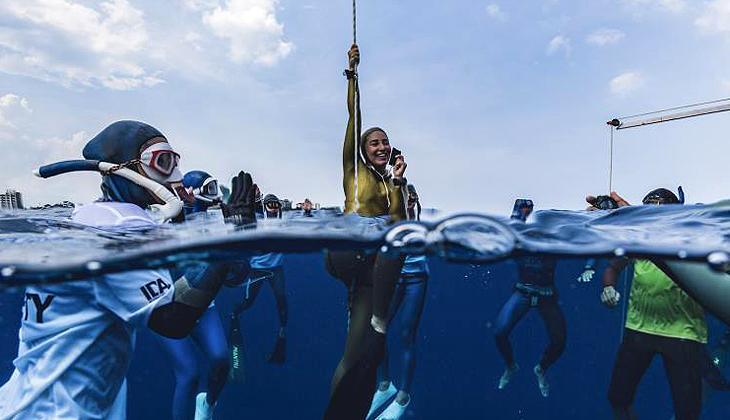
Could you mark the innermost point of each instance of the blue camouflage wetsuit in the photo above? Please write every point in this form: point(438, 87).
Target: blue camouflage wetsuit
point(535, 288)
point(409, 297)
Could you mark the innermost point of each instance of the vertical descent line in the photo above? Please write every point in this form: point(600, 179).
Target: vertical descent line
point(610, 162)
point(356, 129)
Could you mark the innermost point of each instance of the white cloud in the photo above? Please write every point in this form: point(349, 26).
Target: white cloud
point(626, 83)
point(559, 43)
point(254, 33)
point(13, 110)
point(674, 6)
point(603, 37)
point(199, 5)
point(67, 42)
point(23, 153)
point(494, 11)
point(715, 17)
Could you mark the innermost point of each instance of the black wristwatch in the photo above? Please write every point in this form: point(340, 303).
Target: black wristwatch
point(400, 181)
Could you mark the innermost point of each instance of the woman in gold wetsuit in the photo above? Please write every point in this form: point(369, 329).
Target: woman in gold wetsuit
point(370, 192)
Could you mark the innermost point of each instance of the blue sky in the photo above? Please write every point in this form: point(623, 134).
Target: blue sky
point(489, 101)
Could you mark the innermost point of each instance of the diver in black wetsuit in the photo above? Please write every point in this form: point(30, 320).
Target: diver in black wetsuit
point(535, 288)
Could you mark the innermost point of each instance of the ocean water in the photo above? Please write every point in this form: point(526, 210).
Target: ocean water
point(472, 276)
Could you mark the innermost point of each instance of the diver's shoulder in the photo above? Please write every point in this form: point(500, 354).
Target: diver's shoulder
point(111, 214)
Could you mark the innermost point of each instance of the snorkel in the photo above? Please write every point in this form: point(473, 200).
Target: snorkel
point(167, 211)
point(137, 165)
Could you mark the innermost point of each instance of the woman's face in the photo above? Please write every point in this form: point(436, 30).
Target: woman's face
point(377, 149)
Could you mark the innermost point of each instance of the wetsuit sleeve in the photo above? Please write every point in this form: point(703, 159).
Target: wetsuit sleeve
point(191, 298)
point(398, 200)
point(351, 141)
point(613, 269)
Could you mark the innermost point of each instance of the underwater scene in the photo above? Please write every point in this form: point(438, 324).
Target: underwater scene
point(283, 329)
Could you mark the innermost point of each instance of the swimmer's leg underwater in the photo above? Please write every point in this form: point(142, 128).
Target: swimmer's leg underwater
point(371, 280)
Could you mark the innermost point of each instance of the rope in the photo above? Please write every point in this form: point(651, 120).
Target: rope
point(610, 163)
point(676, 108)
point(625, 299)
point(356, 129)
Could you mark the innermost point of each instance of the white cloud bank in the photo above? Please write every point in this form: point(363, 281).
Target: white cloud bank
point(559, 43)
point(12, 109)
point(674, 6)
point(252, 29)
point(75, 45)
point(715, 18)
point(109, 44)
point(24, 153)
point(624, 84)
point(603, 37)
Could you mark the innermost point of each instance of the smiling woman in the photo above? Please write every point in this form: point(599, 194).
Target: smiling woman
point(374, 193)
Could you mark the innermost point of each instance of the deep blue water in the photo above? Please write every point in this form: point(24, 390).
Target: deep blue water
point(458, 364)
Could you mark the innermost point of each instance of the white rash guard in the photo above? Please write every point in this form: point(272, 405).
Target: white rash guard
point(77, 338)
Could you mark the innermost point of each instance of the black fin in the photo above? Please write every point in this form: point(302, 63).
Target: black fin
point(278, 356)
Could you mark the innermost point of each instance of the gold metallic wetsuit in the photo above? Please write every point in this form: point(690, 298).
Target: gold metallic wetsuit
point(371, 278)
point(378, 196)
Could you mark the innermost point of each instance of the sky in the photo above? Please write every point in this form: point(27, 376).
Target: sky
point(489, 101)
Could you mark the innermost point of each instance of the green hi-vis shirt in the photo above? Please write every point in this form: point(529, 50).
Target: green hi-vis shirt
point(658, 306)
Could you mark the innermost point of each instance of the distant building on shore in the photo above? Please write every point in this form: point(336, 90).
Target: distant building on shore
point(11, 200)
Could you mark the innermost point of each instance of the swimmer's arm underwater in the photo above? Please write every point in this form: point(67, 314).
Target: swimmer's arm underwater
point(178, 318)
point(609, 295)
point(398, 198)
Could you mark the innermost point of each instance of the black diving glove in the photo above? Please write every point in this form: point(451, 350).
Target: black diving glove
point(240, 207)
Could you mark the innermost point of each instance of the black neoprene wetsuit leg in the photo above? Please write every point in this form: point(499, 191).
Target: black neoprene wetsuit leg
point(554, 320)
point(682, 366)
point(633, 359)
point(511, 313)
point(681, 363)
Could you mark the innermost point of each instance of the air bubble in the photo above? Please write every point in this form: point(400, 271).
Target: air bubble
point(619, 252)
point(682, 254)
point(93, 265)
point(7, 271)
point(719, 261)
